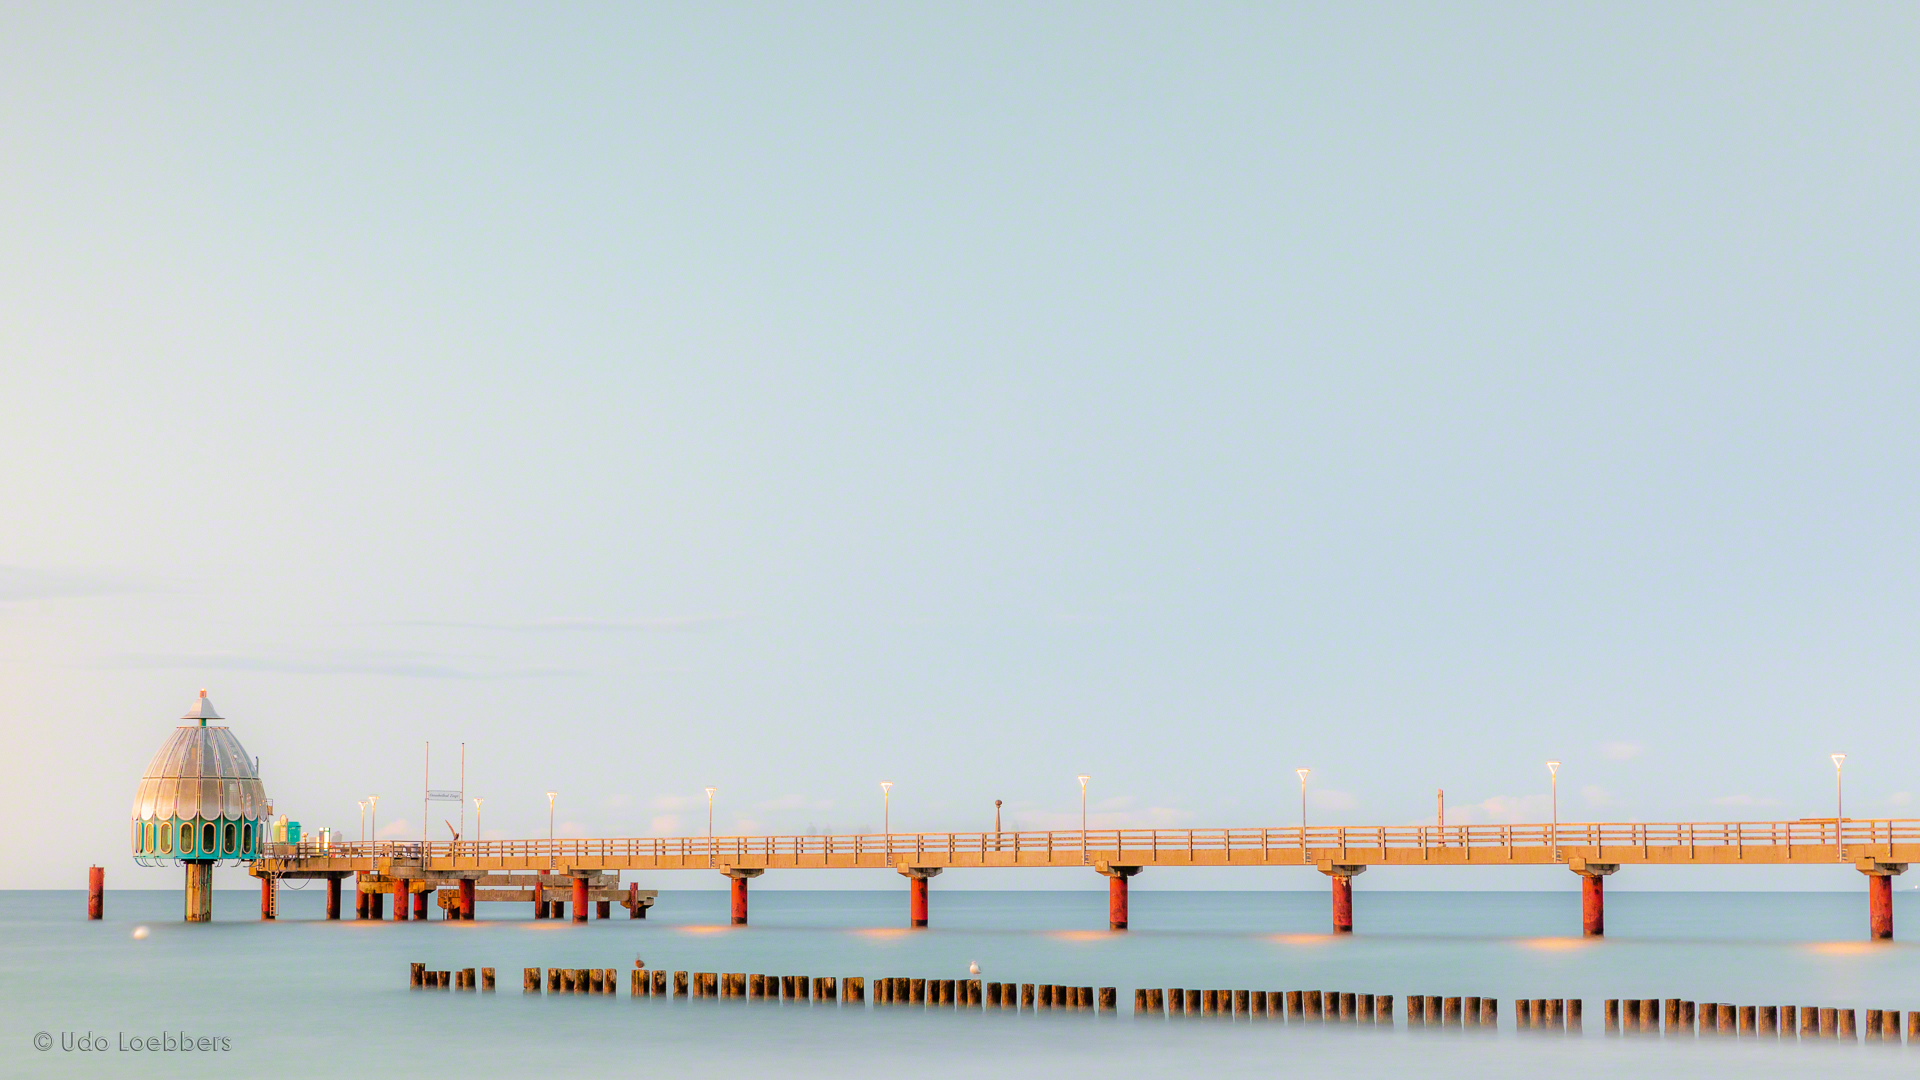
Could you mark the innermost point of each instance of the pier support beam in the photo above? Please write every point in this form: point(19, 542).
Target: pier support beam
point(333, 897)
point(1342, 875)
point(580, 898)
point(917, 892)
point(740, 878)
point(266, 898)
point(634, 910)
point(400, 887)
point(362, 899)
point(466, 899)
point(420, 905)
point(96, 892)
point(1880, 877)
point(1116, 892)
point(540, 899)
point(1593, 895)
point(377, 906)
point(199, 890)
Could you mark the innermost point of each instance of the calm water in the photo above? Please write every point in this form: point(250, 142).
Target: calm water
point(303, 997)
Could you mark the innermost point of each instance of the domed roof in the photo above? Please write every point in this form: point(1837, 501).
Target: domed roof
point(201, 772)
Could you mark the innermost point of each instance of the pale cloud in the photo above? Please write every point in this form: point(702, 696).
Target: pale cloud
point(665, 825)
point(1621, 751)
point(19, 583)
point(1152, 817)
point(403, 664)
point(746, 826)
point(400, 828)
point(655, 623)
point(1330, 799)
point(794, 802)
point(1503, 810)
point(616, 802)
point(1900, 798)
point(1745, 800)
point(671, 802)
point(1595, 795)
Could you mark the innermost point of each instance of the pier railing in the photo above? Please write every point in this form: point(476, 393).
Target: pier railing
point(1865, 834)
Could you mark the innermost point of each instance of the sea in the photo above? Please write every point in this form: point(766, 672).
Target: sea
point(143, 994)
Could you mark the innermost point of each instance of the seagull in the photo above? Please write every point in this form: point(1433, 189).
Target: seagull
point(639, 963)
point(973, 968)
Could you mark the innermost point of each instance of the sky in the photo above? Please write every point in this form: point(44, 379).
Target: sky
point(790, 398)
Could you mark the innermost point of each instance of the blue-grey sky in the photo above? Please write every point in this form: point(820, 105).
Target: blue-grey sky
point(787, 398)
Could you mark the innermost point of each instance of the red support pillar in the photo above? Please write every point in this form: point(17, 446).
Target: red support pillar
point(333, 897)
point(1342, 903)
point(1593, 905)
point(96, 892)
point(1880, 906)
point(539, 899)
point(466, 898)
point(1117, 902)
point(377, 906)
point(400, 899)
point(739, 900)
point(917, 892)
point(362, 900)
point(266, 897)
point(633, 899)
point(420, 905)
point(579, 899)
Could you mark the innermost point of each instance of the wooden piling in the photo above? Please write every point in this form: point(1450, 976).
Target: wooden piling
point(1315, 1014)
point(1829, 1023)
point(1365, 1002)
point(416, 974)
point(1846, 1030)
point(1156, 1001)
point(660, 982)
point(1295, 1003)
point(486, 980)
point(1749, 1021)
point(1261, 1004)
point(530, 980)
point(856, 989)
point(1450, 1012)
point(1789, 1026)
point(1873, 1025)
point(1029, 996)
point(1193, 1003)
point(472, 983)
point(1490, 1014)
point(1109, 999)
point(1913, 1027)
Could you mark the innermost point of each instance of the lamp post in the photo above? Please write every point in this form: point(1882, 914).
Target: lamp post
point(709, 813)
point(886, 807)
point(1553, 771)
point(373, 829)
point(1839, 795)
point(1083, 778)
point(477, 834)
point(1303, 812)
point(363, 821)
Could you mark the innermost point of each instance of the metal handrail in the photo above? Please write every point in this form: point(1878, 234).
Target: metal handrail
point(907, 847)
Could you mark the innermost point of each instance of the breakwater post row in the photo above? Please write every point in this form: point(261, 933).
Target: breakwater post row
point(1672, 1017)
point(1675, 1016)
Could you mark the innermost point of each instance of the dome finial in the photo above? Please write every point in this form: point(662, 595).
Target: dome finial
point(203, 711)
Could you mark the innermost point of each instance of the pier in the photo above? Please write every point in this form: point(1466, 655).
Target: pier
point(584, 871)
